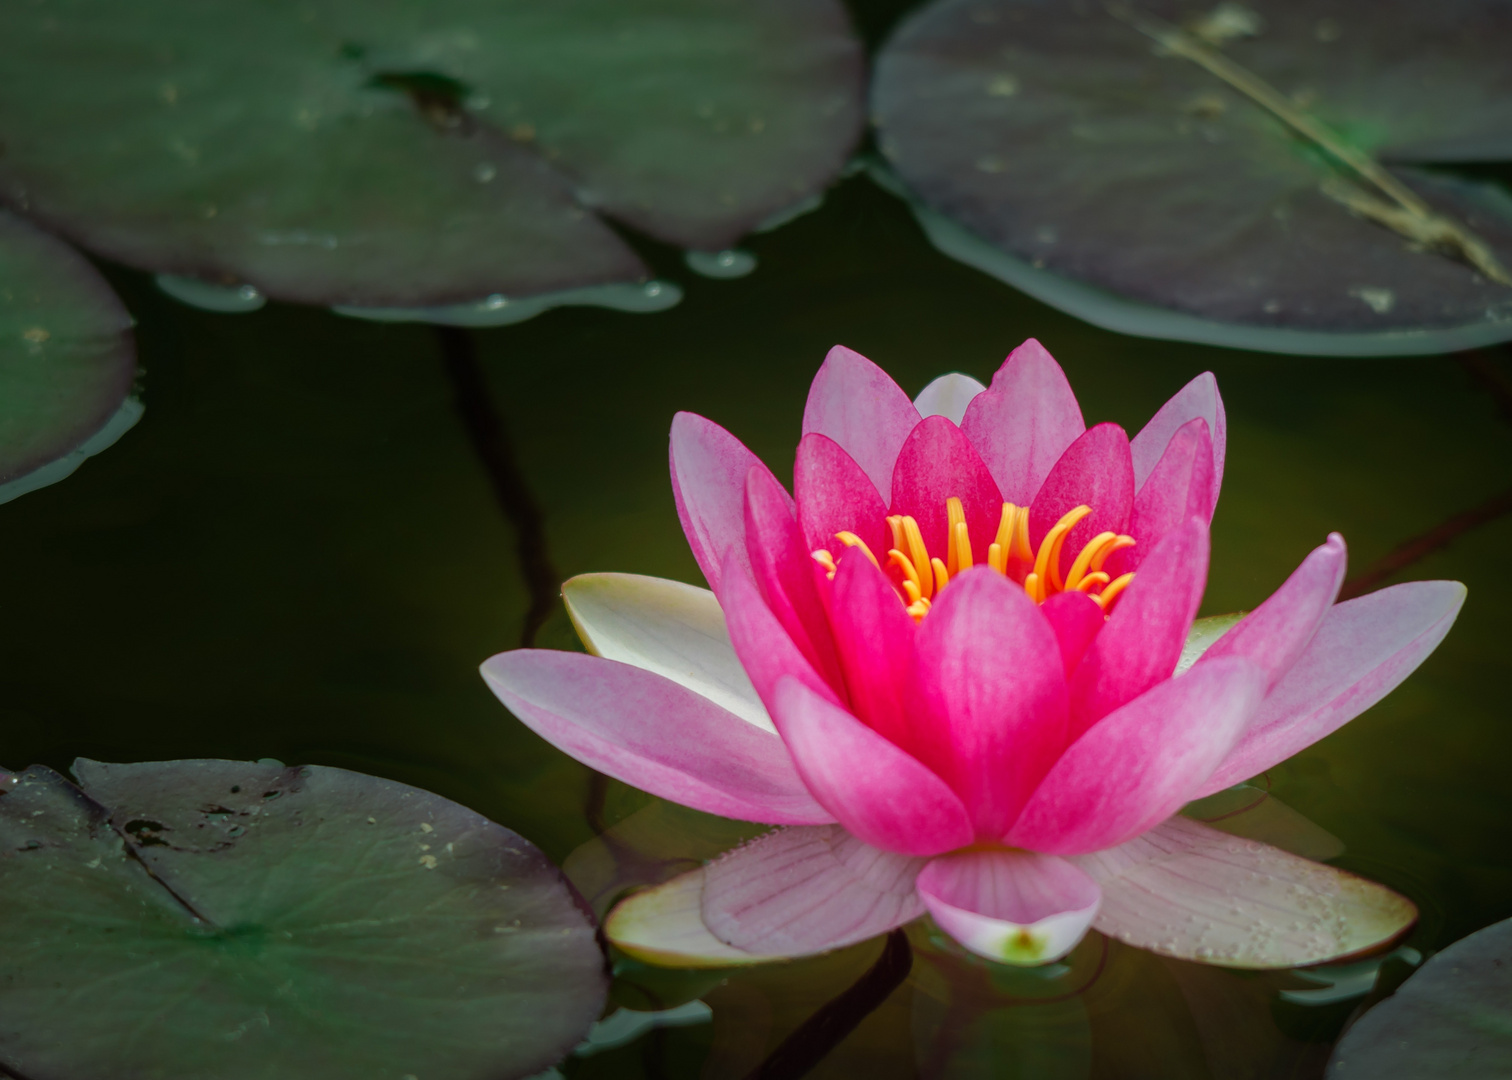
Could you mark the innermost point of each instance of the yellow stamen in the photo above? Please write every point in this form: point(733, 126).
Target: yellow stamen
point(1021, 549)
point(1047, 562)
point(911, 581)
point(826, 560)
point(850, 539)
point(895, 523)
point(941, 574)
point(955, 515)
point(1118, 544)
point(1032, 587)
point(918, 609)
point(1083, 561)
point(1110, 594)
point(1004, 538)
point(963, 558)
point(996, 559)
point(918, 554)
point(1091, 581)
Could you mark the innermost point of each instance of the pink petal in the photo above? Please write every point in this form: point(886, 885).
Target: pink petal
point(802, 891)
point(876, 790)
point(1015, 907)
point(857, 404)
point(1076, 620)
point(937, 462)
point(1137, 766)
point(1181, 487)
point(948, 396)
point(1361, 652)
point(785, 571)
point(1192, 892)
point(874, 638)
point(991, 713)
point(709, 467)
point(765, 649)
point(1095, 472)
point(1275, 634)
point(1197, 398)
point(1024, 422)
point(648, 731)
point(1142, 640)
point(834, 495)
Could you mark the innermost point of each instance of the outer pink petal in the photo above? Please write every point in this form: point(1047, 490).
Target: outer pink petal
point(1197, 398)
point(938, 461)
point(1142, 640)
point(1181, 487)
point(835, 495)
point(857, 404)
point(1016, 907)
point(1361, 652)
point(876, 790)
point(1138, 766)
point(1275, 634)
point(802, 891)
point(1095, 472)
point(648, 731)
point(709, 467)
point(1076, 620)
point(764, 648)
point(874, 638)
point(948, 396)
point(991, 714)
point(1024, 422)
point(784, 571)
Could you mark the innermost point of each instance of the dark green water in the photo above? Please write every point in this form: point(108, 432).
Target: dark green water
point(296, 554)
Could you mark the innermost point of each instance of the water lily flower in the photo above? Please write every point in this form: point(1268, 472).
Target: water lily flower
point(957, 666)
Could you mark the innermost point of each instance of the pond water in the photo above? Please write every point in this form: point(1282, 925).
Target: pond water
point(297, 554)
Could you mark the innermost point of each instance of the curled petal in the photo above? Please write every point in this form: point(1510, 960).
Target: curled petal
point(1015, 907)
point(1138, 765)
point(857, 404)
point(1189, 891)
point(948, 396)
point(937, 462)
point(1275, 634)
point(802, 891)
point(651, 733)
point(709, 468)
point(1198, 398)
point(675, 630)
point(834, 495)
point(1024, 422)
point(872, 787)
point(1181, 487)
point(1361, 652)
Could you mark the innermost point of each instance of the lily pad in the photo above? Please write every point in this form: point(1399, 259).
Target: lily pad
point(1448, 1020)
point(199, 919)
point(1061, 148)
point(66, 354)
point(413, 154)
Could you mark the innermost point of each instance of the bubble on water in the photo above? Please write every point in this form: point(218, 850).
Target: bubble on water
point(497, 309)
point(730, 263)
point(210, 296)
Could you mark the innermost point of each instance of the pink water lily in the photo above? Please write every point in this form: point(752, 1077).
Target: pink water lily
point(958, 666)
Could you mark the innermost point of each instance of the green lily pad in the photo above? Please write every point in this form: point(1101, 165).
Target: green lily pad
point(66, 354)
point(1450, 1019)
point(228, 920)
point(413, 154)
point(1059, 147)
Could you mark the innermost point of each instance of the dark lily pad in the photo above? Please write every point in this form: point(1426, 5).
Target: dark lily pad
point(1451, 1019)
point(227, 920)
point(66, 355)
point(414, 153)
point(1058, 146)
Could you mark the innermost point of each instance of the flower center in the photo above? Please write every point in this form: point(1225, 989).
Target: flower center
point(919, 577)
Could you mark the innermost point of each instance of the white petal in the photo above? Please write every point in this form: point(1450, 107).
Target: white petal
point(675, 630)
point(665, 926)
point(948, 396)
point(1188, 891)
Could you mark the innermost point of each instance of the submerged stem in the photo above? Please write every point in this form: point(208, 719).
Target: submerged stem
point(1410, 216)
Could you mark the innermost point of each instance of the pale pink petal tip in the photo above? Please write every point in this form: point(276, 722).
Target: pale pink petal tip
point(948, 396)
point(857, 404)
point(1015, 907)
